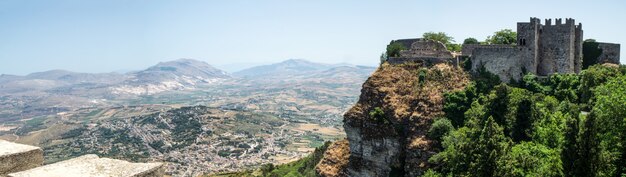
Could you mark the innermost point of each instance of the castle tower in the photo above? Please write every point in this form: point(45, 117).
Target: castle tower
point(578, 53)
point(560, 47)
point(528, 37)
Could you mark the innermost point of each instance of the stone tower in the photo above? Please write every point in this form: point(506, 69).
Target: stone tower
point(541, 49)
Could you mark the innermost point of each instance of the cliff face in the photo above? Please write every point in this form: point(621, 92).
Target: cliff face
point(393, 142)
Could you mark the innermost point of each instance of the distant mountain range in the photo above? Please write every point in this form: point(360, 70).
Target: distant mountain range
point(289, 67)
point(181, 74)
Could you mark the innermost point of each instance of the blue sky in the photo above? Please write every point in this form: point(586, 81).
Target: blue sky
point(112, 35)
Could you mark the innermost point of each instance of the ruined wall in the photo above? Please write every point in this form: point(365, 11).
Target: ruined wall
point(424, 51)
point(610, 53)
point(505, 61)
point(407, 42)
point(426, 48)
point(556, 48)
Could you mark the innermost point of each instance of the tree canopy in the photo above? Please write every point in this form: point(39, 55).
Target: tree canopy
point(505, 36)
point(471, 40)
point(562, 125)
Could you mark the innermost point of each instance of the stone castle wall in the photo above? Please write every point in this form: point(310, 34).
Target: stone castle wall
point(610, 53)
point(556, 47)
point(543, 49)
point(504, 61)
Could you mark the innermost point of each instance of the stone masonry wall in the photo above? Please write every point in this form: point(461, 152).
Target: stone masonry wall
point(423, 51)
point(504, 61)
point(610, 53)
point(556, 48)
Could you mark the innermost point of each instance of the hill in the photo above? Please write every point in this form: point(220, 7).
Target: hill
point(435, 121)
point(288, 68)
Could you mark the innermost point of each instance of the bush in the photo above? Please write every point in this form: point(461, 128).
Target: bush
point(470, 41)
point(440, 128)
point(394, 48)
point(379, 115)
point(505, 36)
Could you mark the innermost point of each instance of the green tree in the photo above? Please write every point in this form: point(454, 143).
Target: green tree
point(440, 128)
point(443, 38)
point(530, 159)
point(470, 41)
point(394, 48)
point(592, 77)
point(610, 113)
point(505, 36)
point(439, 36)
point(589, 150)
point(570, 154)
point(456, 103)
point(490, 146)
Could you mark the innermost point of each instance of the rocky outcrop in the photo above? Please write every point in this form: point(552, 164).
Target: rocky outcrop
point(18, 160)
point(17, 157)
point(409, 97)
point(335, 160)
point(92, 165)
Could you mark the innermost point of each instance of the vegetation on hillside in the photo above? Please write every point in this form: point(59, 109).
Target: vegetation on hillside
point(562, 125)
point(302, 167)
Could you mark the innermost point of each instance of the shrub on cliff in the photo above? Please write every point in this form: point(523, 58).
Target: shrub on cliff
point(393, 49)
point(440, 128)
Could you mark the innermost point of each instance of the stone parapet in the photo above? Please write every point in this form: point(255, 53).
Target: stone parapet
point(94, 166)
point(18, 157)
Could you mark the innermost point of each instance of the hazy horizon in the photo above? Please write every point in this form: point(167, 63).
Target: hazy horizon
point(107, 36)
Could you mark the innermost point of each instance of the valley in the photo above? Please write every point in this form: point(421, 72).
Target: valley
point(198, 119)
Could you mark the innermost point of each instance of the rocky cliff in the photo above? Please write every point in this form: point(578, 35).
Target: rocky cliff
point(386, 129)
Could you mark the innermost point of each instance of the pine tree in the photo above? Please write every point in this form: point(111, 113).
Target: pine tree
point(570, 154)
point(490, 148)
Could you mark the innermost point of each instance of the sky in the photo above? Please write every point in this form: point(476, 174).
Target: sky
point(120, 35)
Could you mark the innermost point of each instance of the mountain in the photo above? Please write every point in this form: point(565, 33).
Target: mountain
point(287, 67)
point(181, 68)
point(179, 74)
point(172, 75)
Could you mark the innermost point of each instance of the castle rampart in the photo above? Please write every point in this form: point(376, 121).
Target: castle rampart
point(541, 49)
point(610, 53)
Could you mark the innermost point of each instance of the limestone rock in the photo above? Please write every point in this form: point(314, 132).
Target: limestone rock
point(335, 160)
point(396, 143)
point(92, 165)
point(17, 157)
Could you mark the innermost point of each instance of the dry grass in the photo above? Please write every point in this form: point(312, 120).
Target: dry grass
point(410, 102)
point(335, 160)
point(331, 131)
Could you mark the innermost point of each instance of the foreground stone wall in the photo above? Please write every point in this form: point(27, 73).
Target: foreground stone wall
point(92, 165)
point(18, 157)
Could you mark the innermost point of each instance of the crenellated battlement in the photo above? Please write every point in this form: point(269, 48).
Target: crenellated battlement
point(541, 49)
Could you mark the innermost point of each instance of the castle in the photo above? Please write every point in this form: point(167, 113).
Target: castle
point(541, 49)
